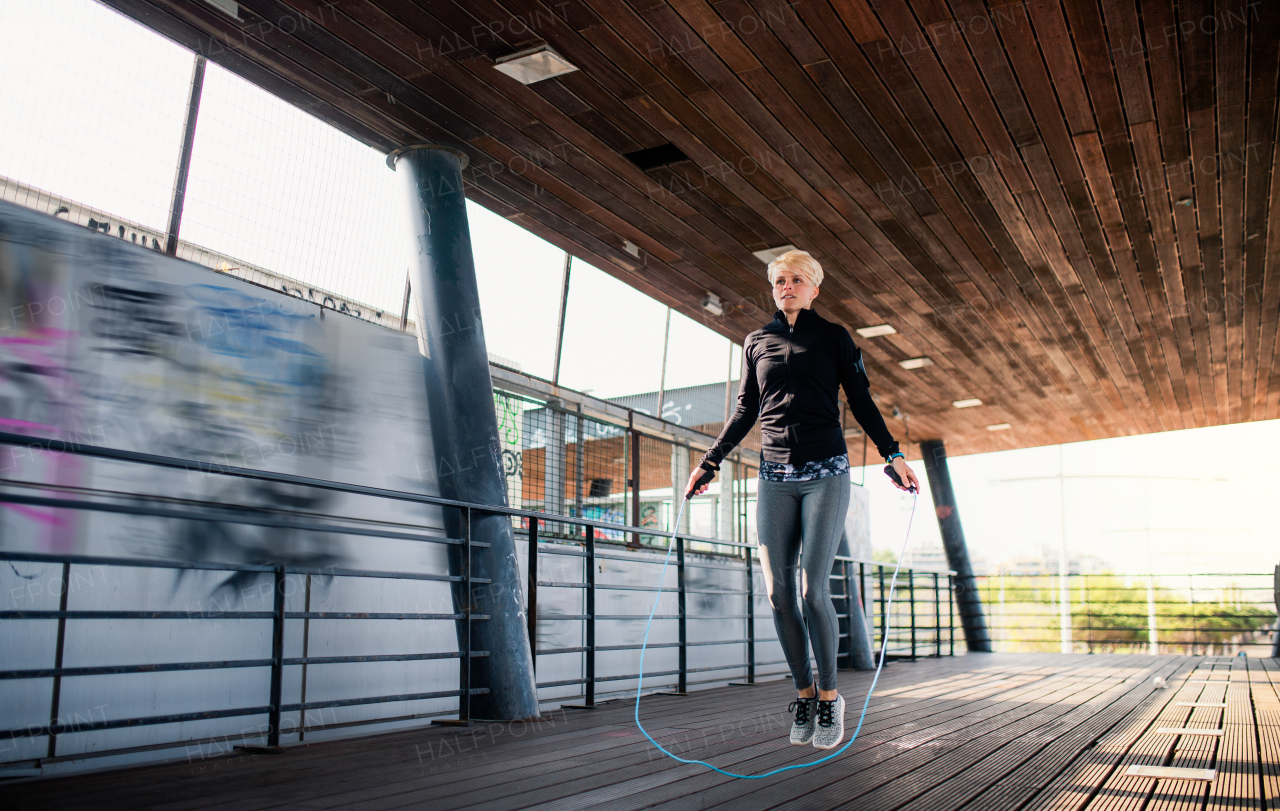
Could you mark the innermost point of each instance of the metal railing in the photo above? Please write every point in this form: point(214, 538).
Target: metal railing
point(276, 660)
point(904, 638)
point(1188, 614)
point(917, 622)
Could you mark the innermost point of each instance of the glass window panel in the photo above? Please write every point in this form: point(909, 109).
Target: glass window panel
point(279, 188)
point(520, 277)
point(612, 336)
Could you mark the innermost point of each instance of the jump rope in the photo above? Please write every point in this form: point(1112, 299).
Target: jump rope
point(884, 643)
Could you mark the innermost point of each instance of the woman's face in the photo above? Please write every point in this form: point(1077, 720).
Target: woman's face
point(793, 291)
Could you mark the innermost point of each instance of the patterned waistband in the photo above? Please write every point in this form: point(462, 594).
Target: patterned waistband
point(821, 469)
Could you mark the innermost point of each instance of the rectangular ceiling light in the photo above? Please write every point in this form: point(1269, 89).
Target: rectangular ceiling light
point(915, 363)
point(770, 254)
point(534, 65)
point(874, 332)
point(1000, 426)
point(970, 403)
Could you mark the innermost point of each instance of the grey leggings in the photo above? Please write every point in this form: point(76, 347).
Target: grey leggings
point(803, 520)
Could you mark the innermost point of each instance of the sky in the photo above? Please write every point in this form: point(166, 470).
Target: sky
point(1204, 498)
point(92, 106)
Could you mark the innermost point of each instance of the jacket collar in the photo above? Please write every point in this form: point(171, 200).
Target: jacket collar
point(805, 320)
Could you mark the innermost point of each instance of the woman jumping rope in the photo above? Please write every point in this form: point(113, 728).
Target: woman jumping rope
point(793, 370)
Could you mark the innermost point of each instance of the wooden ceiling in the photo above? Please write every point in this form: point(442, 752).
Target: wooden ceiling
point(1068, 205)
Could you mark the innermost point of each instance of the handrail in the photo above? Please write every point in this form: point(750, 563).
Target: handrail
point(191, 465)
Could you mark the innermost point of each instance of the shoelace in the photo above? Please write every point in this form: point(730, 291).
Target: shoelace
point(826, 713)
point(801, 708)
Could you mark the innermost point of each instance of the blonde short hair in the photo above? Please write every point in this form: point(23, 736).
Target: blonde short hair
point(800, 262)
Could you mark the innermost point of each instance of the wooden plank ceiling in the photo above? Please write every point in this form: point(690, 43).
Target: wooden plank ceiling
point(1069, 206)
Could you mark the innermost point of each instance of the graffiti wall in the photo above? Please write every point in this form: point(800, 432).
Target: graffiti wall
point(107, 343)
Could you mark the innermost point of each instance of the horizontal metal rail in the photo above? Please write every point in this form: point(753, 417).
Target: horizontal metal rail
point(214, 468)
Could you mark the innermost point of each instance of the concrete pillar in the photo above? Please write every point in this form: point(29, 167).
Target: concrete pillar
point(464, 427)
point(968, 602)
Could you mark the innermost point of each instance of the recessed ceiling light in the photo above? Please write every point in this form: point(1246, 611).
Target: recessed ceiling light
point(1000, 426)
point(915, 363)
point(228, 6)
point(534, 65)
point(770, 254)
point(970, 403)
point(872, 332)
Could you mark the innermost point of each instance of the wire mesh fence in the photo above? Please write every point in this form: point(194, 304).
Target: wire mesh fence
point(1205, 614)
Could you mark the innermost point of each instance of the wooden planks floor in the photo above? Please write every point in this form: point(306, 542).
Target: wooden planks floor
point(1038, 732)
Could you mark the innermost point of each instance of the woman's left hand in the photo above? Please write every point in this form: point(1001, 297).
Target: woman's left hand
point(907, 475)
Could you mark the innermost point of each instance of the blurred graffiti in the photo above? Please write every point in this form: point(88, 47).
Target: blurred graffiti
point(108, 343)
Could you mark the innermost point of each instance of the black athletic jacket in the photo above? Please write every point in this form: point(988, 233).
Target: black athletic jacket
point(791, 380)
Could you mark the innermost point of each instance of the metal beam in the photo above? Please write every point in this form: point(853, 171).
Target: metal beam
point(564, 310)
point(184, 157)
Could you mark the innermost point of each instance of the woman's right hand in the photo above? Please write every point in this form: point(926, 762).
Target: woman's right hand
point(693, 488)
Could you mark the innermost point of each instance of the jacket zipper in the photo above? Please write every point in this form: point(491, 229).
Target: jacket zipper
point(791, 329)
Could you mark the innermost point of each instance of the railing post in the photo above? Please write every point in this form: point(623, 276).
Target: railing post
point(1088, 614)
point(1195, 621)
point(911, 595)
point(951, 616)
point(751, 617)
point(884, 613)
point(277, 657)
point(464, 671)
point(684, 660)
point(937, 618)
point(848, 609)
point(531, 611)
point(635, 480)
point(56, 699)
point(306, 651)
point(866, 601)
point(591, 617)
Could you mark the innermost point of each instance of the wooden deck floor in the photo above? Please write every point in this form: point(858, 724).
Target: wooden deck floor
point(1034, 732)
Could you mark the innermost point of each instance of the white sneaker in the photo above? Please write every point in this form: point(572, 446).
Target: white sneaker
point(806, 720)
point(830, 728)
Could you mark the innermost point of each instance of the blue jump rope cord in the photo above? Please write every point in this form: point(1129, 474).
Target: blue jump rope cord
point(884, 643)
